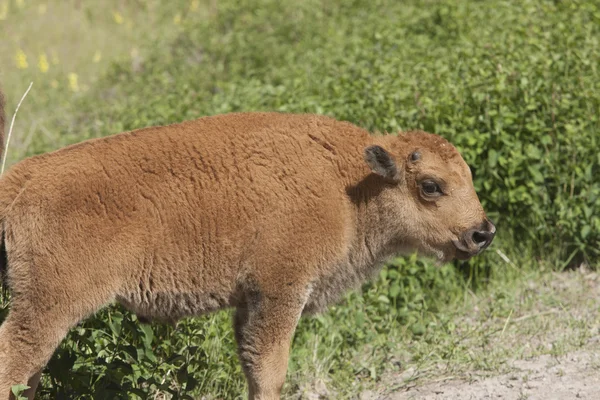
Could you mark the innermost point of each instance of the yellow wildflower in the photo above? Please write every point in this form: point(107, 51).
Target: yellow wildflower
point(177, 19)
point(43, 63)
point(73, 84)
point(20, 3)
point(118, 17)
point(97, 56)
point(194, 5)
point(4, 10)
point(42, 8)
point(21, 60)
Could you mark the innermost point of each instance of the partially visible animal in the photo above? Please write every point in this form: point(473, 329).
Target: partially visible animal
point(2, 120)
point(276, 215)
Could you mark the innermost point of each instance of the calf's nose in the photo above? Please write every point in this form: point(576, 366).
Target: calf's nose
point(481, 237)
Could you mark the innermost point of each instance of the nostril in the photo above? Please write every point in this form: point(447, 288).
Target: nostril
point(481, 238)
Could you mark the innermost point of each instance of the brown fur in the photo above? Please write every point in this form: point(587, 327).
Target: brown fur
point(274, 214)
point(2, 121)
point(2, 249)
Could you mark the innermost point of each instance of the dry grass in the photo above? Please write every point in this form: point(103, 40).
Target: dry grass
point(12, 124)
point(546, 313)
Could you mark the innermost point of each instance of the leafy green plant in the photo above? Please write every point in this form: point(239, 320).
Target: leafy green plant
point(17, 391)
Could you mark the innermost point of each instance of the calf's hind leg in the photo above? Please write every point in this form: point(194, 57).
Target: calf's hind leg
point(33, 383)
point(28, 339)
point(37, 322)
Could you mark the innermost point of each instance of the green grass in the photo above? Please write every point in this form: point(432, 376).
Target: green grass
point(64, 48)
point(514, 86)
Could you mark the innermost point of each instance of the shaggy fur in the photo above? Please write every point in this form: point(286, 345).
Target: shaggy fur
point(274, 214)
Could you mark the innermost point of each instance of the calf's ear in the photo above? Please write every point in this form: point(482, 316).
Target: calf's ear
point(382, 163)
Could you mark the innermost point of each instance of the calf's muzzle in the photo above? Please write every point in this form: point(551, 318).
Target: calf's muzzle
point(475, 240)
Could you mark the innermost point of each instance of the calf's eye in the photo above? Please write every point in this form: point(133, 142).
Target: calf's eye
point(431, 188)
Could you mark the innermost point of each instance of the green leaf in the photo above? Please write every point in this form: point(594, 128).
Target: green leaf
point(17, 391)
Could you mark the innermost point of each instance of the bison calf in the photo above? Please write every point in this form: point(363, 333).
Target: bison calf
point(274, 214)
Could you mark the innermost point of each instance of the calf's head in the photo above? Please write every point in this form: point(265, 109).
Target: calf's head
point(426, 196)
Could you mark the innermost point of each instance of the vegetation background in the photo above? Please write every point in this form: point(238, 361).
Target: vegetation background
point(514, 85)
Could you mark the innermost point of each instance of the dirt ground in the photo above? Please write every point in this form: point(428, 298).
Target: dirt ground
point(572, 376)
point(566, 308)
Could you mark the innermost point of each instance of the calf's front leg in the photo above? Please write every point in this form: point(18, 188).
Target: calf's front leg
point(264, 326)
